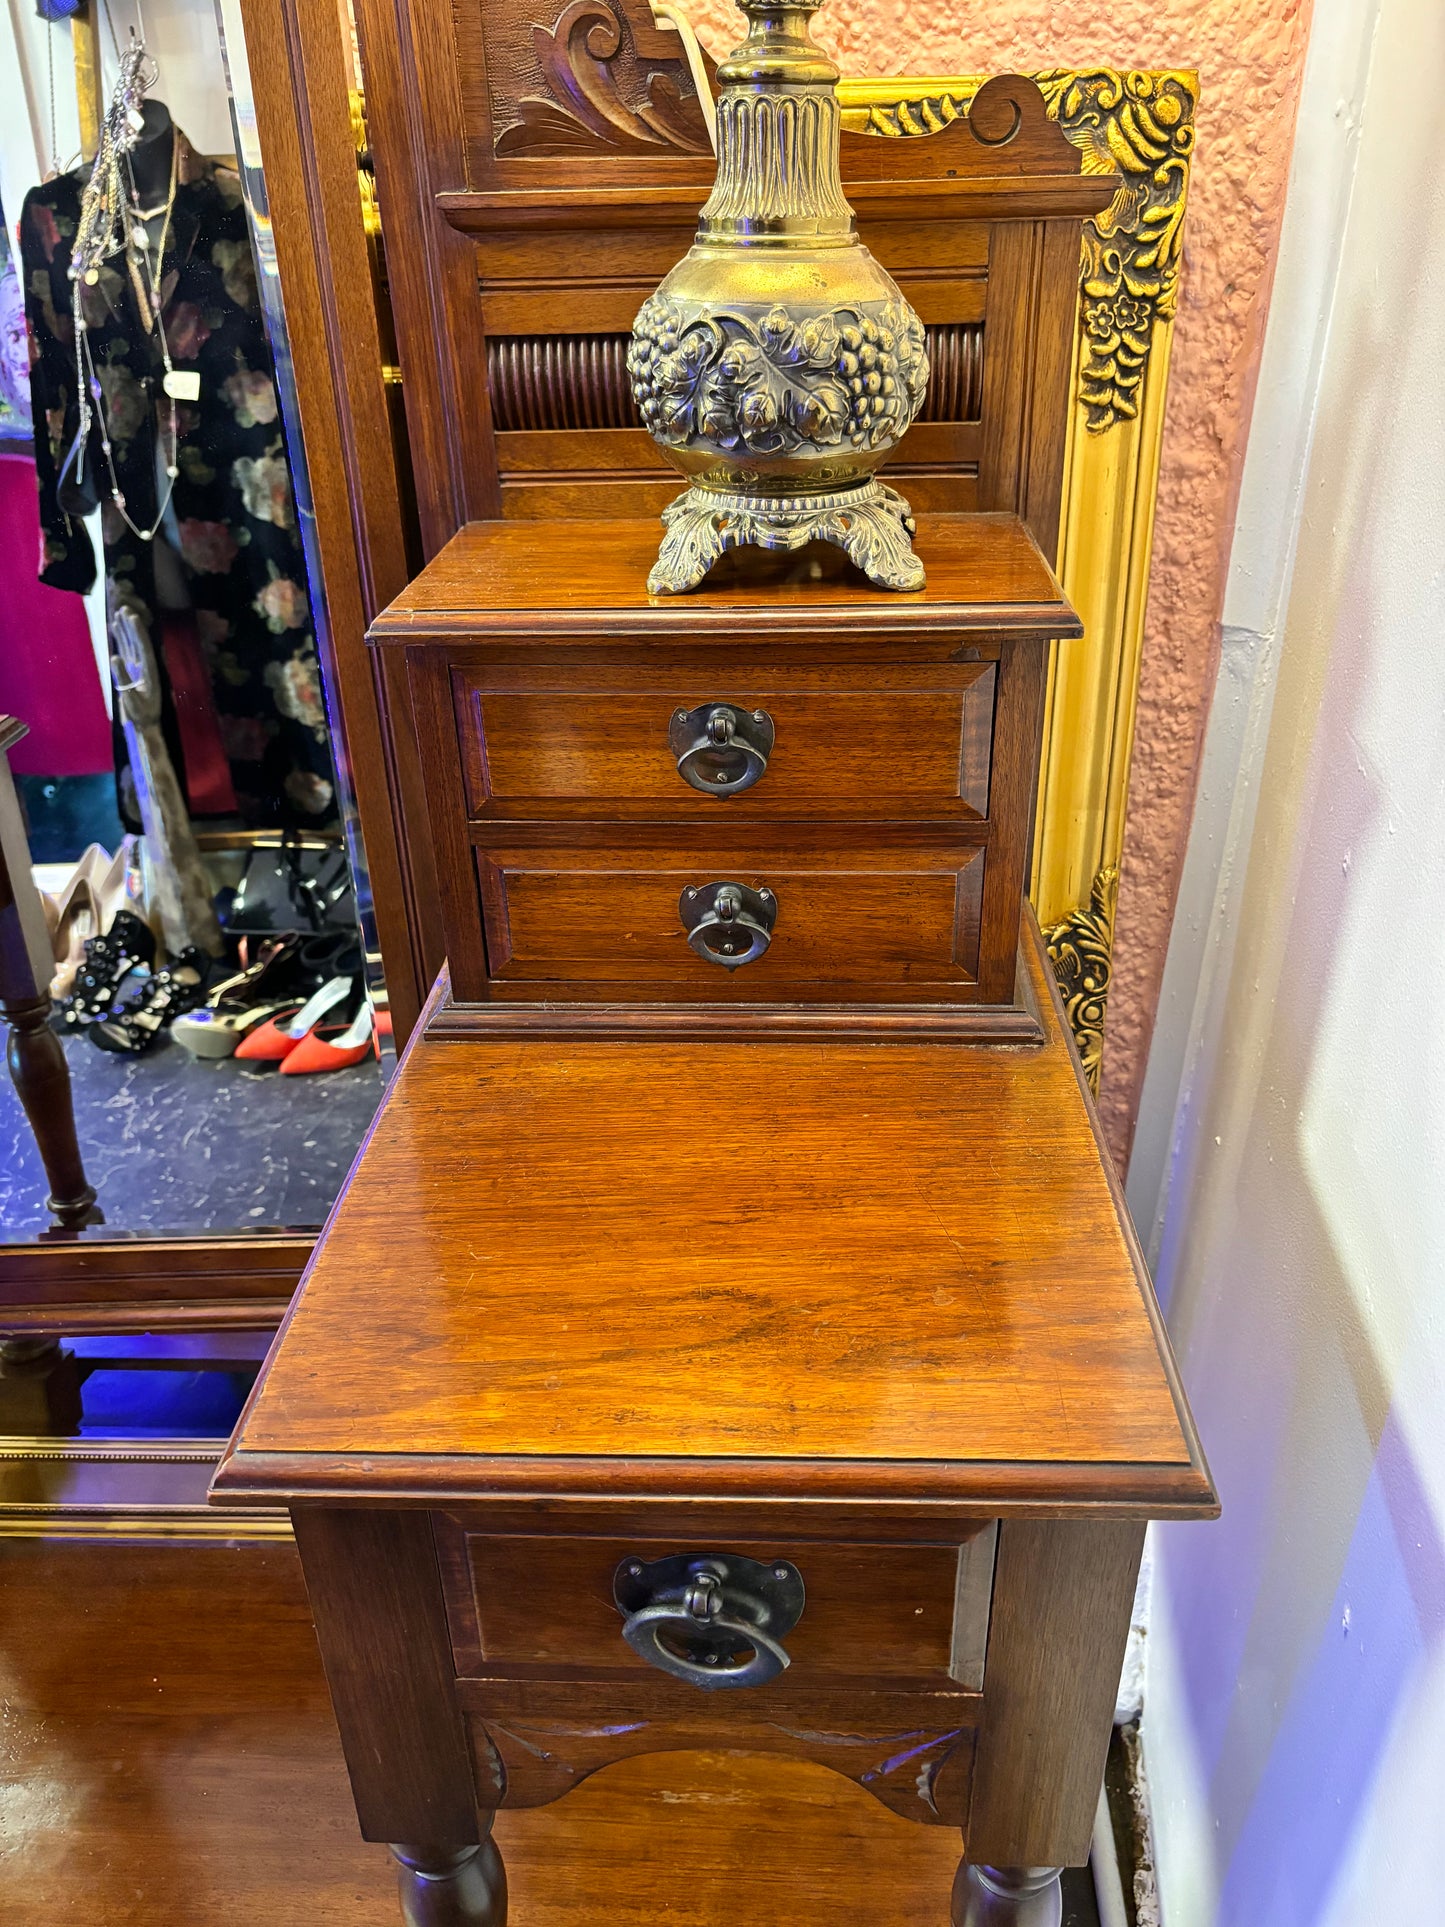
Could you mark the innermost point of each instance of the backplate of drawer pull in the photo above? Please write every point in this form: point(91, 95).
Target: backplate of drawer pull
point(727, 923)
point(721, 749)
point(714, 1619)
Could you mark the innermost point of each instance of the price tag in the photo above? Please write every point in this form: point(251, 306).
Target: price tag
point(182, 384)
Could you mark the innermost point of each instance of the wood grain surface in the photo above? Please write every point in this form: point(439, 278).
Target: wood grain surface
point(877, 918)
point(1063, 1589)
point(871, 739)
point(388, 1659)
point(871, 937)
point(985, 572)
point(172, 1761)
point(740, 1268)
point(522, 1602)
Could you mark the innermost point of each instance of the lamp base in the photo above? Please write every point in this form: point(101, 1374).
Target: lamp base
point(870, 522)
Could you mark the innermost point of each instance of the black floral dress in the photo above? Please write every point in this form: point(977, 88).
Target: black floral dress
point(234, 517)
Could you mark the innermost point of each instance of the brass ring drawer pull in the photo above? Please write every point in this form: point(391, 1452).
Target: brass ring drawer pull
point(727, 923)
point(713, 1619)
point(720, 748)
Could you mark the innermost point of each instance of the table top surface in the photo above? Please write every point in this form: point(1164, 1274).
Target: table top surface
point(985, 572)
point(866, 1272)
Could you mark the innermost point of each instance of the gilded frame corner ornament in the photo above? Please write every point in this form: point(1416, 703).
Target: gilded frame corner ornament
point(1141, 124)
point(1137, 124)
point(1080, 948)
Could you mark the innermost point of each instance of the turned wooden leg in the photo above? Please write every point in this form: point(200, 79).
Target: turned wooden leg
point(376, 1600)
point(1007, 1897)
point(42, 1083)
point(452, 1886)
point(40, 1385)
point(40, 1349)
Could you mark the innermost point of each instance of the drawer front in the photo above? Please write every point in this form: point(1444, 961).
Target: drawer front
point(918, 1613)
point(878, 918)
point(889, 742)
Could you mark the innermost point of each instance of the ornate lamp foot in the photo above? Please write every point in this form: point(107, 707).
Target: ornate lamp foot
point(871, 523)
point(1007, 1897)
point(452, 1886)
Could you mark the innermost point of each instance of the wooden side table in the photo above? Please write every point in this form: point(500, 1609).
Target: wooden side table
point(731, 1394)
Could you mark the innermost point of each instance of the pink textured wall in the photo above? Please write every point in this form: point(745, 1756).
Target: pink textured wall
point(1249, 55)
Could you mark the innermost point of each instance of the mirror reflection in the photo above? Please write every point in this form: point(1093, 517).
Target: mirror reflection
point(181, 925)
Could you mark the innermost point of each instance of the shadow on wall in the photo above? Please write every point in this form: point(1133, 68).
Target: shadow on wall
point(1301, 1682)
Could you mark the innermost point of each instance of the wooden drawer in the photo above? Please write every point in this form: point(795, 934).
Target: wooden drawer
point(874, 919)
point(520, 1606)
point(901, 741)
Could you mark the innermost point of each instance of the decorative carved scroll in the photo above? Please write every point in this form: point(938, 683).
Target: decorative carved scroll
point(998, 129)
point(1138, 124)
point(921, 1772)
point(583, 110)
point(580, 381)
point(1143, 124)
point(1079, 949)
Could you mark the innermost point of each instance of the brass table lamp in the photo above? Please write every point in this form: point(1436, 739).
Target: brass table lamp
point(778, 365)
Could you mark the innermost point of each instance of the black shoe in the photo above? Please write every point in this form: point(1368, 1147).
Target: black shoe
point(179, 987)
point(109, 960)
point(328, 954)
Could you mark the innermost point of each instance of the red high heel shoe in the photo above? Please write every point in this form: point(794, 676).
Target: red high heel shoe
point(329, 1051)
point(275, 1040)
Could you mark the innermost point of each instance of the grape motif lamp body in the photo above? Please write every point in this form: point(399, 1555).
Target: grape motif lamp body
point(778, 365)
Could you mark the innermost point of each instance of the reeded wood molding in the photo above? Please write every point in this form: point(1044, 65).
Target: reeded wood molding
point(543, 383)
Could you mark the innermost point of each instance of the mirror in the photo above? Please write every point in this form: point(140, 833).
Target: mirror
point(178, 791)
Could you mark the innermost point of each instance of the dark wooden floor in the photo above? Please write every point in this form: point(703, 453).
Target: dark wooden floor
point(168, 1759)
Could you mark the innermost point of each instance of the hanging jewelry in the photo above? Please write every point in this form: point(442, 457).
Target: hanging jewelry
point(55, 167)
point(111, 223)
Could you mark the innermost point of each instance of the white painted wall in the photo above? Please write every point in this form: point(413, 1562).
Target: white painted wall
point(1294, 1137)
point(181, 34)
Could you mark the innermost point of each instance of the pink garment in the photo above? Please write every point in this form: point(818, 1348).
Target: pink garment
point(48, 673)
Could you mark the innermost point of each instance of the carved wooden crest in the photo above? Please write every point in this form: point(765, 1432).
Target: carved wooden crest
point(605, 88)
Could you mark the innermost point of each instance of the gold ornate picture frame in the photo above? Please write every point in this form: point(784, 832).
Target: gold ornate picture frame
point(1139, 125)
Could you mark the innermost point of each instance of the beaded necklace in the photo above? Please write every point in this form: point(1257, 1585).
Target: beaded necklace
point(112, 222)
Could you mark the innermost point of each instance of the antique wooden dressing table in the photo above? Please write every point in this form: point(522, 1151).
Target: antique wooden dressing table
point(659, 1340)
point(731, 1334)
